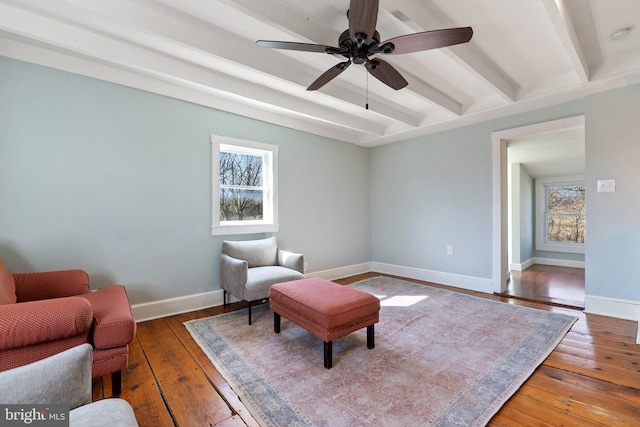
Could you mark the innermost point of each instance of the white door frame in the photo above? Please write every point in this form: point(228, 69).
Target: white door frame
point(500, 270)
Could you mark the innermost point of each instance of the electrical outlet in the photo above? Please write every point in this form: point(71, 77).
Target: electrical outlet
point(449, 250)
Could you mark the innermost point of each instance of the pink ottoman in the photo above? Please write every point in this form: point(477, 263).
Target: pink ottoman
point(325, 309)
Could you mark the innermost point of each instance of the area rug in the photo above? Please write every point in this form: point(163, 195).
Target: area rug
point(440, 358)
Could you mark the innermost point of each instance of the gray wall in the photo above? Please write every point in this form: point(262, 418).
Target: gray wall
point(527, 215)
point(524, 222)
point(117, 181)
point(613, 231)
point(514, 171)
point(436, 190)
point(429, 193)
point(522, 204)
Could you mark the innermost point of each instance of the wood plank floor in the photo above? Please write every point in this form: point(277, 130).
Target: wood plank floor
point(591, 379)
point(549, 284)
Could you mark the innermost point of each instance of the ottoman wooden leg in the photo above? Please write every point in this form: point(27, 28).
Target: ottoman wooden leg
point(276, 323)
point(370, 340)
point(328, 354)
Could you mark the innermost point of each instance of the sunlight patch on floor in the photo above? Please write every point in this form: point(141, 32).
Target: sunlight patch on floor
point(400, 300)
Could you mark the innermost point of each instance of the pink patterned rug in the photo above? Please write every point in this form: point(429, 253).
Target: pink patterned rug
point(440, 358)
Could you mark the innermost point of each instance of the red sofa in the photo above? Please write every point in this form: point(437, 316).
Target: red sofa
point(42, 314)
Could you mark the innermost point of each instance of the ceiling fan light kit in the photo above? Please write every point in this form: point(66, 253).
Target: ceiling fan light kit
point(621, 33)
point(361, 41)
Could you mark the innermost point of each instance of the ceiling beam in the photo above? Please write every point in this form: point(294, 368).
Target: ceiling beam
point(561, 21)
point(468, 57)
point(190, 40)
point(298, 25)
point(275, 63)
point(89, 44)
point(16, 47)
point(285, 19)
point(430, 93)
point(383, 107)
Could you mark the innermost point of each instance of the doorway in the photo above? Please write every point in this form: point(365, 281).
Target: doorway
point(521, 157)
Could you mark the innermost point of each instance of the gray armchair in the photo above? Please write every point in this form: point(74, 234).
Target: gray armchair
point(64, 379)
point(248, 269)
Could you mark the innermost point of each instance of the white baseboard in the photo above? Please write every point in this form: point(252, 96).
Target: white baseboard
point(187, 303)
point(558, 262)
point(479, 284)
point(169, 307)
point(623, 309)
point(546, 261)
point(340, 272)
point(612, 307)
point(523, 266)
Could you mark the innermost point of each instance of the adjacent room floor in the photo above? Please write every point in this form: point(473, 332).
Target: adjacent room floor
point(563, 286)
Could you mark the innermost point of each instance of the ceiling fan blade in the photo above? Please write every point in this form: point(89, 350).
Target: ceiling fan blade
point(430, 40)
point(306, 47)
point(385, 72)
point(329, 75)
point(363, 15)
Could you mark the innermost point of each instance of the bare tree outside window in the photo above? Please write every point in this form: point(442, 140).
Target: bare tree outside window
point(566, 213)
point(244, 187)
point(241, 187)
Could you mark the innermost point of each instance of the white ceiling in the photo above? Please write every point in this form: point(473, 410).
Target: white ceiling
point(550, 155)
point(524, 54)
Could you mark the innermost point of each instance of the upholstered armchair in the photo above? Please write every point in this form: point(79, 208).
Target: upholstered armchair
point(248, 269)
point(64, 379)
point(42, 314)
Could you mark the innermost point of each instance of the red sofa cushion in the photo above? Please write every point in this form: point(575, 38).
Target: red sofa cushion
point(50, 284)
point(34, 322)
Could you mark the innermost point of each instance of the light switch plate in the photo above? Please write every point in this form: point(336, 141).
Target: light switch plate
point(606, 185)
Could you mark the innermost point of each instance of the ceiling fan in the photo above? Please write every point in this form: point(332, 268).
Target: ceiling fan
point(361, 41)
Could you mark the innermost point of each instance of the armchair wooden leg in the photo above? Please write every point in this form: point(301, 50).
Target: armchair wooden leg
point(224, 298)
point(249, 312)
point(116, 383)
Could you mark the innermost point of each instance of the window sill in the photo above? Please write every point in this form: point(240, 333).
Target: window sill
point(226, 230)
point(559, 247)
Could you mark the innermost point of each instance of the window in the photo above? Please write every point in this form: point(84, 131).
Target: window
point(245, 196)
point(562, 217)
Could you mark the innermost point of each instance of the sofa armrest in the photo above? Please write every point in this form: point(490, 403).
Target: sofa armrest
point(113, 325)
point(64, 378)
point(104, 413)
point(50, 284)
point(33, 322)
point(233, 275)
point(291, 260)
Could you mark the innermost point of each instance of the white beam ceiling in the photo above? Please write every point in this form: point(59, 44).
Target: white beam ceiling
point(523, 55)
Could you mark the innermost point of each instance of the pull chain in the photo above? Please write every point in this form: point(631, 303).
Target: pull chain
point(367, 102)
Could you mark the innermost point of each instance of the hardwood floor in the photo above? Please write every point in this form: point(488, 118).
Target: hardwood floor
point(591, 378)
point(548, 284)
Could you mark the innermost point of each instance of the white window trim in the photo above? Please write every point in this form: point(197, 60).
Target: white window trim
point(541, 202)
point(270, 223)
